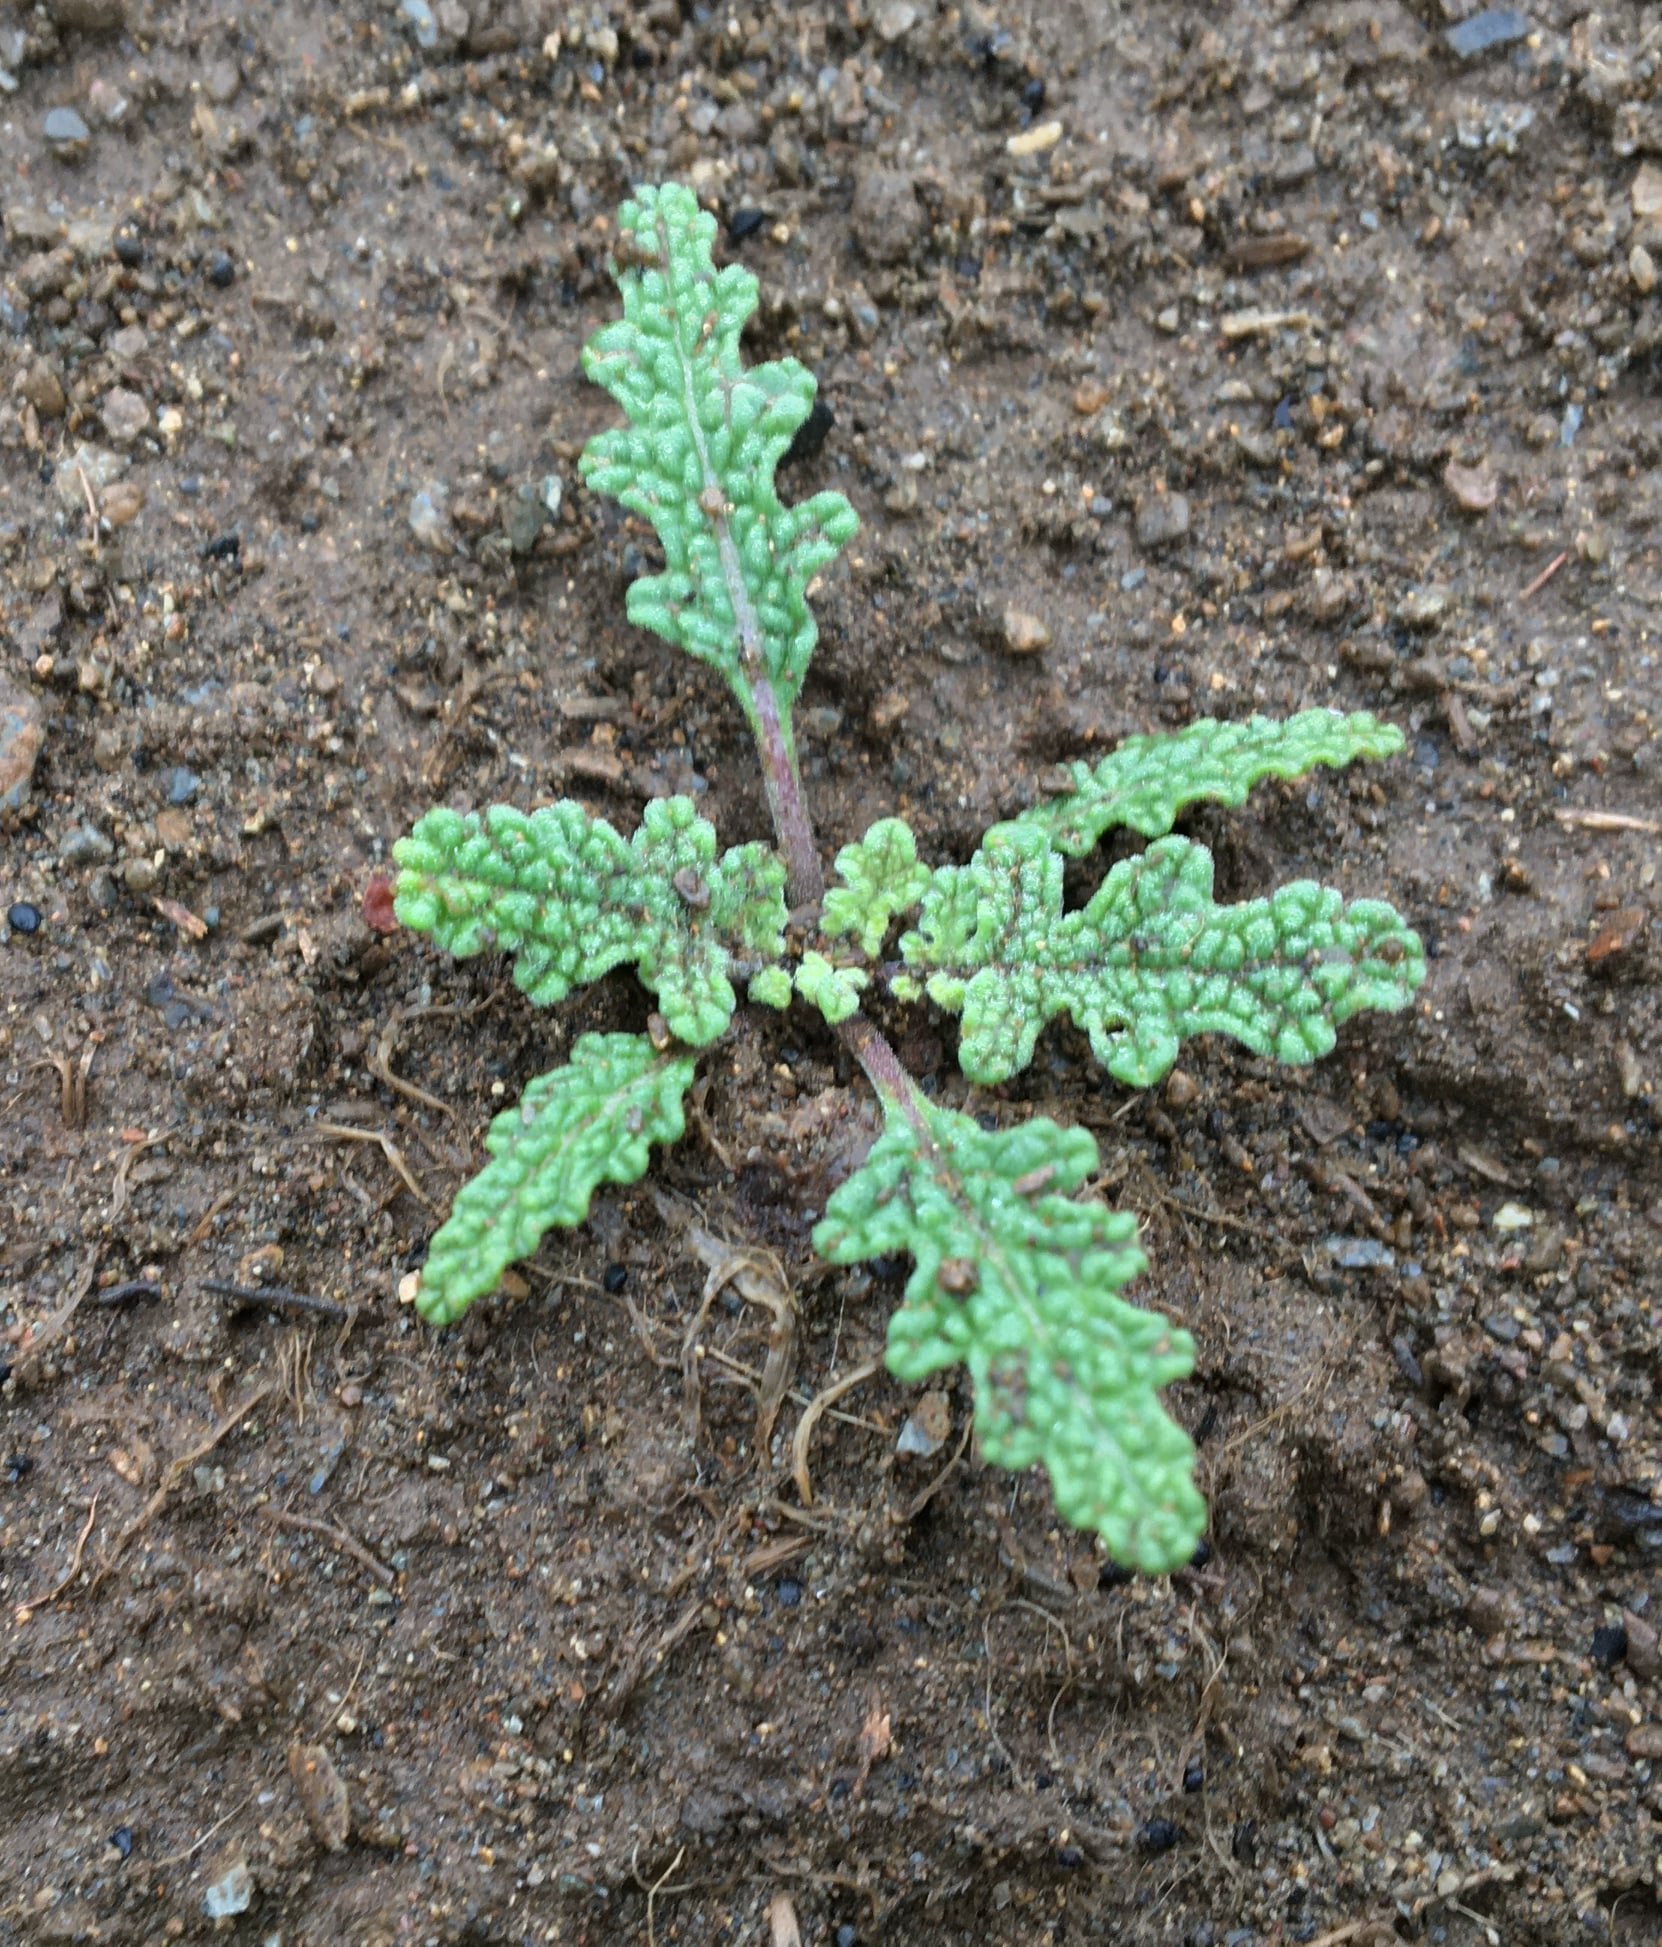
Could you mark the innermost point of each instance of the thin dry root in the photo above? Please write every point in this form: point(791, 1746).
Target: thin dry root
point(803, 1437)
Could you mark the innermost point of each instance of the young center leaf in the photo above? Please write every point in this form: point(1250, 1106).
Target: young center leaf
point(571, 899)
point(1147, 782)
point(697, 457)
point(1150, 961)
point(881, 879)
point(1019, 1280)
point(591, 1122)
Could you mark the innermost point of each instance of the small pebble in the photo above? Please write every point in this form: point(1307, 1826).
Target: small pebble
point(429, 522)
point(123, 503)
point(1194, 1776)
point(1423, 609)
point(1034, 141)
point(222, 270)
point(67, 133)
point(125, 415)
point(23, 918)
point(1642, 1657)
point(84, 845)
point(1645, 1741)
point(122, 1840)
point(108, 103)
point(744, 223)
point(43, 389)
point(1609, 1645)
point(88, 466)
point(231, 1894)
point(89, 16)
point(1162, 520)
point(182, 786)
point(21, 736)
point(1360, 1254)
point(614, 1278)
point(1494, 27)
point(1474, 489)
point(1641, 267)
point(809, 437)
point(222, 83)
point(789, 1591)
point(1024, 634)
point(1158, 1836)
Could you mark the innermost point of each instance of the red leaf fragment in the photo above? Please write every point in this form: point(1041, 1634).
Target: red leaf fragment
point(379, 916)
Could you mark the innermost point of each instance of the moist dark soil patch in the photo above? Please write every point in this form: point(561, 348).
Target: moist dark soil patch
point(1265, 355)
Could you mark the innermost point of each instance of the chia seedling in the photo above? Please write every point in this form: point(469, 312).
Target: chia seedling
point(1015, 1273)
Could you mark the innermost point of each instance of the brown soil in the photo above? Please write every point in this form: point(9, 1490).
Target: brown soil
point(1186, 386)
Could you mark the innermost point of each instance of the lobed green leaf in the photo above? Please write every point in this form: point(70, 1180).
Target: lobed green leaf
point(835, 991)
point(697, 457)
point(1019, 1280)
point(571, 899)
point(881, 879)
point(1147, 782)
point(591, 1122)
point(1150, 962)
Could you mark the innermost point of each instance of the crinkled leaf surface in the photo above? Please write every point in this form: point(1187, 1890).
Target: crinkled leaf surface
point(835, 991)
point(881, 879)
point(1150, 961)
point(1148, 781)
point(588, 1123)
point(571, 899)
point(698, 454)
point(1020, 1281)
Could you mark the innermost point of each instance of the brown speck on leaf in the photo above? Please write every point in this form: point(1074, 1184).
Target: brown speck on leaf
point(690, 885)
point(958, 1276)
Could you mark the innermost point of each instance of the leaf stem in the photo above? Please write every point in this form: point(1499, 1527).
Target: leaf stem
point(869, 1046)
point(776, 746)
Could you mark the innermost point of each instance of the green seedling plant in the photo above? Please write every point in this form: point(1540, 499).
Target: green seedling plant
point(1017, 1270)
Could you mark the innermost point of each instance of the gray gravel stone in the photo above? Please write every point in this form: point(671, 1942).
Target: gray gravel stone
point(84, 845)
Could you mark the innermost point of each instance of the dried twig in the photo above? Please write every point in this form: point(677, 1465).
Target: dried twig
point(803, 1437)
point(175, 1473)
point(72, 1081)
point(344, 1132)
point(342, 1538)
point(659, 1885)
point(757, 1277)
point(26, 1609)
point(1608, 821)
point(55, 1326)
point(379, 1064)
point(129, 1156)
point(130, 1292)
point(1545, 575)
point(276, 1298)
